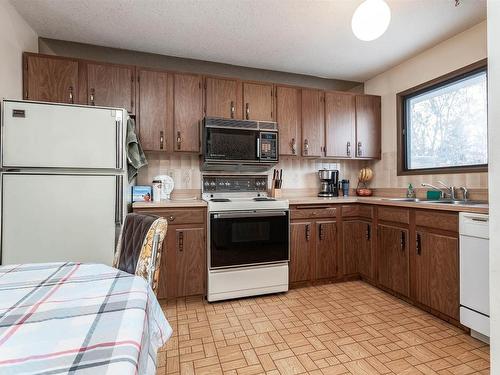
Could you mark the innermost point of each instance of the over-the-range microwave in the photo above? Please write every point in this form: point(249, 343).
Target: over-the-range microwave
point(239, 145)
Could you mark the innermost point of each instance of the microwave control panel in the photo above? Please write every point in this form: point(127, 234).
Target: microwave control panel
point(268, 146)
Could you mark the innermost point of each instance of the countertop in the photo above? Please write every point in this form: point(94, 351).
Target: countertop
point(476, 208)
point(174, 203)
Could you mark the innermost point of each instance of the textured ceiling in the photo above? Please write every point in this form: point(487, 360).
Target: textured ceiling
point(300, 36)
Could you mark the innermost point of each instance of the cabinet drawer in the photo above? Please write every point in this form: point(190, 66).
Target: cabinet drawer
point(395, 215)
point(437, 220)
point(357, 210)
point(312, 212)
point(178, 216)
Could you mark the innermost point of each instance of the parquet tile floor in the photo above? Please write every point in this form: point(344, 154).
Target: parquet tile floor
point(344, 328)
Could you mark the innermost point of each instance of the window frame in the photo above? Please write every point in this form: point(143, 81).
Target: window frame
point(402, 126)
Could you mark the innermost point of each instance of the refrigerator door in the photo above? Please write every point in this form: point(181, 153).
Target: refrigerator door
point(60, 217)
point(45, 135)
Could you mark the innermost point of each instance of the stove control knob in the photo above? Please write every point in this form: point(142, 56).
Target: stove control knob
point(212, 184)
point(228, 184)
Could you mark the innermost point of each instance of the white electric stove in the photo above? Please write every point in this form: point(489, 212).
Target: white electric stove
point(248, 237)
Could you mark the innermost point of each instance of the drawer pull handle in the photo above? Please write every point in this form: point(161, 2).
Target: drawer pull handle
point(171, 218)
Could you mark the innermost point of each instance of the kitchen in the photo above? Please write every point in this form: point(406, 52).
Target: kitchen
point(288, 194)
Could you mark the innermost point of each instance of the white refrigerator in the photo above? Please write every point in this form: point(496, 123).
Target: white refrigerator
point(63, 182)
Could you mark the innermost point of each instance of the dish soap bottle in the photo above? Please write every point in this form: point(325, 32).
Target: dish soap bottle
point(410, 193)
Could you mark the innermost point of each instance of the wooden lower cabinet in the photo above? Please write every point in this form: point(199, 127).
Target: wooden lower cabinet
point(357, 248)
point(326, 249)
point(437, 272)
point(183, 267)
point(300, 251)
point(393, 259)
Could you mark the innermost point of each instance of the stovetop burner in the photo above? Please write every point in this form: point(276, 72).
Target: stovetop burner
point(263, 199)
point(220, 200)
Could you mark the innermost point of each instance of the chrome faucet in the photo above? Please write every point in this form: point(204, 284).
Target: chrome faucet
point(465, 192)
point(450, 190)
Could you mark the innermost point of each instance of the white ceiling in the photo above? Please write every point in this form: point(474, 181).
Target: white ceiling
point(300, 36)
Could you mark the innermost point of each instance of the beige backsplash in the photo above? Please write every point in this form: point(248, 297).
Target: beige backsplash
point(297, 173)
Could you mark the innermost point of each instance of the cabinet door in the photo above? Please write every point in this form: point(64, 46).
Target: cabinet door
point(191, 262)
point(393, 260)
point(222, 98)
point(188, 112)
point(368, 126)
point(154, 119)
point(437, 272)
point(340, 117)
point(313, 126)
point(50, 79)
point(326, 249)
point(288, 116)
point(351, 247)
point(258, 101)
point(111, 86)
point(365, 262)
point(300, 251)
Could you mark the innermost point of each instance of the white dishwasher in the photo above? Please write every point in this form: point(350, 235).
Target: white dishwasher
point(474, 274)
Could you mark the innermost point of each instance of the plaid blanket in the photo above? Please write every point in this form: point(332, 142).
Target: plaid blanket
point(73, 318)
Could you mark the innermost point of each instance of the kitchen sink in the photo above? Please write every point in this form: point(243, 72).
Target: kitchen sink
point(403, 199)
point(449, 201)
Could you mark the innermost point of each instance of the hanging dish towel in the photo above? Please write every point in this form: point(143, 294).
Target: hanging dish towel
point(135, 155)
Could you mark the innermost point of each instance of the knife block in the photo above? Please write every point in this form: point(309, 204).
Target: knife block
point(275, 192)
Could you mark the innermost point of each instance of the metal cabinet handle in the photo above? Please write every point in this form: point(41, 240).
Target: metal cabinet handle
point(403, 240)
point(419, 244)
point(71, 100)
point(161, 140)
point(360, 151)
point(247, 111)
point(171, 218)
point(321, 232)
point(181, 242)
point(293, 143)
point(179, 140)
point(348, 151)
point(368, 232)
point(232, 109)
point(308, 232)
point(306, 147)
point(92, 96)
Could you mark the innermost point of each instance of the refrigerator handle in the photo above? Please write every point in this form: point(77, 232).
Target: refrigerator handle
point(119, 144)
point(119, 201)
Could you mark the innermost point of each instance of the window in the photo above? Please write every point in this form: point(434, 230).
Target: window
point(443, 124)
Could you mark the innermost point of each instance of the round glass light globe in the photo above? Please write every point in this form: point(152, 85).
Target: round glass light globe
point(371, 19)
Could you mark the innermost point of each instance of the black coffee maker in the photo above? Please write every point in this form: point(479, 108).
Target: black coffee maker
point(329, 183)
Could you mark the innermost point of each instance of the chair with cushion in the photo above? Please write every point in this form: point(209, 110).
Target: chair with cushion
point(139, 246)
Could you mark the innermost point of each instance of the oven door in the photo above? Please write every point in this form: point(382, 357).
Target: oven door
point(239, 145)
point(243, 238)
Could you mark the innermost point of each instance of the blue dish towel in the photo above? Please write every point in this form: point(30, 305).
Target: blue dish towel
point(135, 155)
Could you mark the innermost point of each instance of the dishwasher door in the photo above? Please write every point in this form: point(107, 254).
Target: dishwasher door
point(474, 272)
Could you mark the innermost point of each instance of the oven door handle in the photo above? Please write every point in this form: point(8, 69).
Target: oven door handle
point(244, 214)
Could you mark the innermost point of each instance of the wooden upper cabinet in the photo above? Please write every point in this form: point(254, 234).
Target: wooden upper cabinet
point(288, 116)
point(111, 85)
point(326, 249)
point(313, 123)
point(301, 244)
point(154, 120)
point(437, 272)
point(50, 79)
point(340, 121)
point(223, 97)
point(188, 112)
point(368, 126)
point(258, 101)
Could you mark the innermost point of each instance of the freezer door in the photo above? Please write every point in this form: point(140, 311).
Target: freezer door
point(52, 218)
point(43, 135)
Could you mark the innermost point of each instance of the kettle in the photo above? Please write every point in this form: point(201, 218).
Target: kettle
point(167, 185)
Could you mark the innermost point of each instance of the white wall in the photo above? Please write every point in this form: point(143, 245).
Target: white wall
point(494, 176)
point(16, 36)
point(454, 53)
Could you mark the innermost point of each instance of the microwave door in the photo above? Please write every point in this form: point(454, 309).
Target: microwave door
point(231, 145)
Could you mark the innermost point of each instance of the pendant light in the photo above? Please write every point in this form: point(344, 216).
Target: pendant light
point(371, 19)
